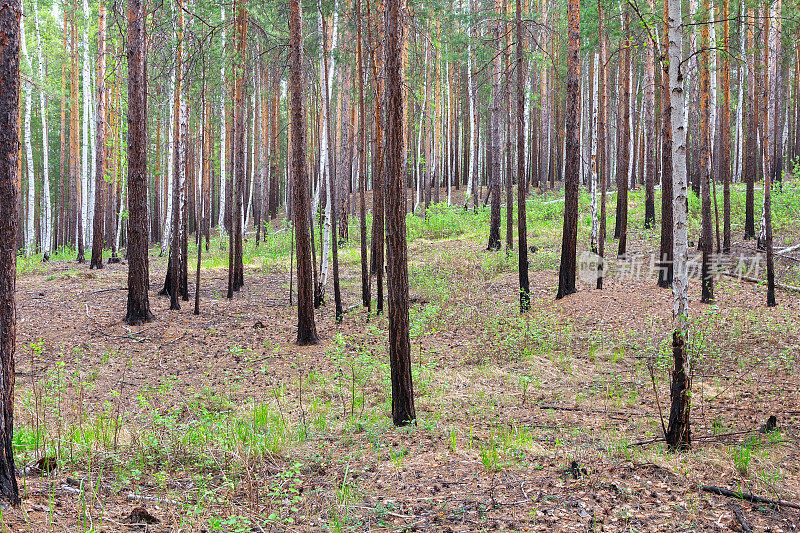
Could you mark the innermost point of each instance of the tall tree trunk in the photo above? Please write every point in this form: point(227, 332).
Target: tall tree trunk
point(666, 254)
point(173, 276)
point(594, 75)
point(223, 167)
point(73, 146)
point(63, 196)
point(138, 263)
point(327, 67)
point(623, 146)
point(473, 128)
point(602, 148)
point(366, 299)
point(751, 145)
point(47, 208)
point(678, 433)
point(650, 129)
point(30, 235)
point(377, 180)
point(494, 126)
point(707, 243)
point(567, 270)
point(236, 264)
point(274, 155)
point(725, 128)
point(306, 326)
point(522, 226)
point(10, 14)
point(507, 144)
point(87, 214)
point(403, 411)
point(100, 143)
point(171, 199)
point(772, 146)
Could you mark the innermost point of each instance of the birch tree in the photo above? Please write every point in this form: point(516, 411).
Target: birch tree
point(678, 433)
point(100, 143)
point(86, 214)
point(30, 228)
point(222, 133)
point(47, 208)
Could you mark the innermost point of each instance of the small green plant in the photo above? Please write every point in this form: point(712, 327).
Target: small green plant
point(743, 455)
point(397, 457)
point(490, 456)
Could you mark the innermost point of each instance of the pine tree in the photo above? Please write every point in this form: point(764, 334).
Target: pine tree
point(138, 262)
point(10, 15)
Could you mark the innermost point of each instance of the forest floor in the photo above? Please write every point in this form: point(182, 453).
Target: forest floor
point(548, 421)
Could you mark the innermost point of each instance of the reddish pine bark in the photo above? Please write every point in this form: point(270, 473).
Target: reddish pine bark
point(495, 164)
point(706, 237)
point(665, 271)
point(236, 266)
point(366, 299)
point(602, 150)
point(138, 264)
point(567, 270)
point(750, 147)
point(306, 326)
point(10, 12)
point(522, 227)
point(725, 128)
point(403, 412)
point(623, 150)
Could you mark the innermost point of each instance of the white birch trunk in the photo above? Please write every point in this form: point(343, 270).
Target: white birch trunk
point(772, 69)
point(251, 159)
point(448, 139)
point(122, 198)
point(167, 232)
point(422, 127)
point(545, 143)
point(712, 98)
point(90, 182)
point(222, 137)
point(632, 144)
point(87, 96)
point(594, 158)
point(473, 130)
point(326, 83)
point(30, 233)
point(47, 210)
point(739, 155)
point(680, 284)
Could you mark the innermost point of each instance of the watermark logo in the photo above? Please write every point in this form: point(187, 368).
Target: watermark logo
point(591, 267)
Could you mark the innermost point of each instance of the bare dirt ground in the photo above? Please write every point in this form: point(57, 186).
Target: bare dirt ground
point(548, 422)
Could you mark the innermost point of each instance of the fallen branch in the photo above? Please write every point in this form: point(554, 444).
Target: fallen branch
point(698, 437)
point(109, 290)
point(129, 337)
point(789, 288)
point(138, 497)
point(173, 341)
point(789, 249)
point(740, 517)
point(589, 410)
point(748, 497)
